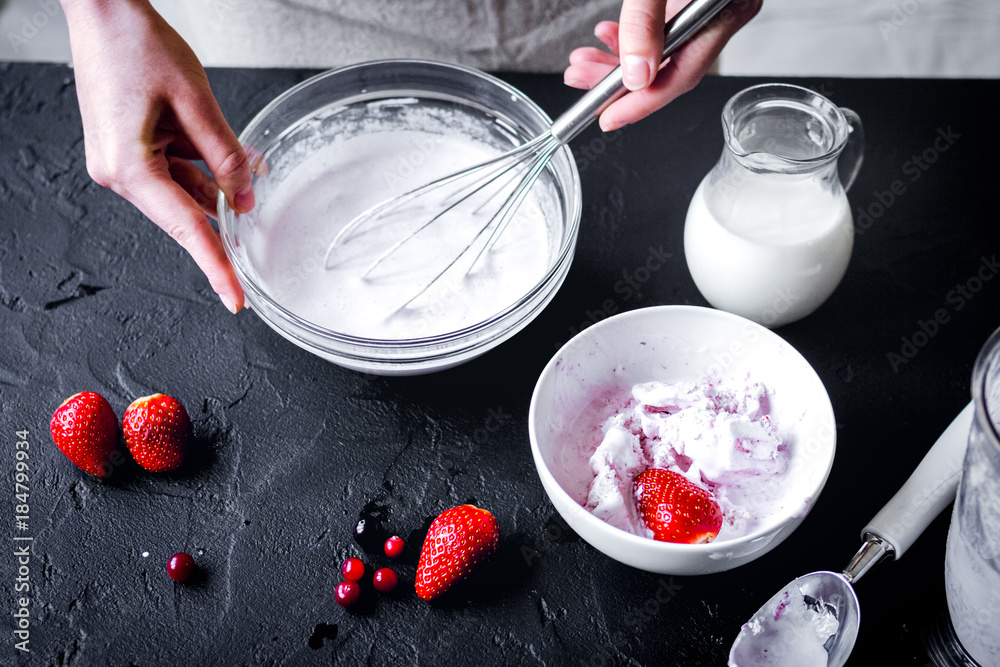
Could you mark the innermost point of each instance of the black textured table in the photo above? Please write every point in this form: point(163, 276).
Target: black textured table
point(289, 449)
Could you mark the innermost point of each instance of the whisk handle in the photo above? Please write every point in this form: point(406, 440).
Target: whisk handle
point(678, 30)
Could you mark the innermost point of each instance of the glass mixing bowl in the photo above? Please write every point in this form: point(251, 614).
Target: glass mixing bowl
point(280, 134)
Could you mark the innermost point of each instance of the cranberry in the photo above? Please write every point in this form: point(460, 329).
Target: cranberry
point(385, 580)
point(353, 569)
point(179, 566)
point(348, 592)
point(394, 546)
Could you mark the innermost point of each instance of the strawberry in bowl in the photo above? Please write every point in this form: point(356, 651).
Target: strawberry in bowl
point(676, 510)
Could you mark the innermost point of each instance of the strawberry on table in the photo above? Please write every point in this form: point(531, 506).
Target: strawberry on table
point(675, 509)
point(458, 540)
point(156, 430)
point(85, 429)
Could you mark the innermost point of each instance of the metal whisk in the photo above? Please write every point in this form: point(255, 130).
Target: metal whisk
point(523, 164)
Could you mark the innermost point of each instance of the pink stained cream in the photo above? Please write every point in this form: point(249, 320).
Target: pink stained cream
point(717, 432)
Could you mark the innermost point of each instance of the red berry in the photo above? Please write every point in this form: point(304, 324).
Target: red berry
point(394, 546)
point(675, 509)
point(85, 429)
point(179, 566)
point(353, 569)
point(348, 592)
point(157, 429)
point(457, 542)
point(385, 580)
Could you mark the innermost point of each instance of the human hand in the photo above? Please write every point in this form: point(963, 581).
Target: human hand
point(637, 42)
point(148, 111)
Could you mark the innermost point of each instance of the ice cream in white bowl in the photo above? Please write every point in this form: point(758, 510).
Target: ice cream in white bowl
point(720, 400)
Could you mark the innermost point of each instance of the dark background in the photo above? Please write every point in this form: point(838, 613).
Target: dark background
point(289, 449)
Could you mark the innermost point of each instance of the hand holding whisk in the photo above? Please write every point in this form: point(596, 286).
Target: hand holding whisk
point(521, 167)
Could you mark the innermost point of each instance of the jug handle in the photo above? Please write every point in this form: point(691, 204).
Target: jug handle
point(850, 160)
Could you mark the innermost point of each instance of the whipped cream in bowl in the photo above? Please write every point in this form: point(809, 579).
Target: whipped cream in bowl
point(716, 432)
point(346, 140)
point(711, 396)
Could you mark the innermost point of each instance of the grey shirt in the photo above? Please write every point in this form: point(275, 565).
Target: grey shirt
point(521, 35)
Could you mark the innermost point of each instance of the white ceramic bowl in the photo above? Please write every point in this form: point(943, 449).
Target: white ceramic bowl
point(671, 344)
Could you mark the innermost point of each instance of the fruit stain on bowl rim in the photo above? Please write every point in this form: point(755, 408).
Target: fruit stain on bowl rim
point(343, 160)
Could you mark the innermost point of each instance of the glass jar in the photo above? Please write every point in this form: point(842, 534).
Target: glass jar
point(972, 559)
point(769, 232)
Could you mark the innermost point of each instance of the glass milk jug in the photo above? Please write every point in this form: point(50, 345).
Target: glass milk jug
point(769, 232)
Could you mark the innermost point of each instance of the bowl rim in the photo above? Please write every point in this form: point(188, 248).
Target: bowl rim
point(592, 522)
point(437, 345)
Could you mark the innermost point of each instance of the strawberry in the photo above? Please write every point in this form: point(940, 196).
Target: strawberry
point(85, 429)
point(458, 540)
point(675, 509)
point(156, 431)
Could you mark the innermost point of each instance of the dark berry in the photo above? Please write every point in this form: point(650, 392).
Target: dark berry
point(348, 592)
point(369, 534)
point(394, 546)
point(353, 569)
point(385, 580)
point(179, 566)
point(360, 529)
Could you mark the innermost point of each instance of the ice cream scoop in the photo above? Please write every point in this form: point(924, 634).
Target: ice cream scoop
point(814, 620)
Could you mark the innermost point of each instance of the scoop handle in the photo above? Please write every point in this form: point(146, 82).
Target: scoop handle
point(678, 30)
point(929, 489)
